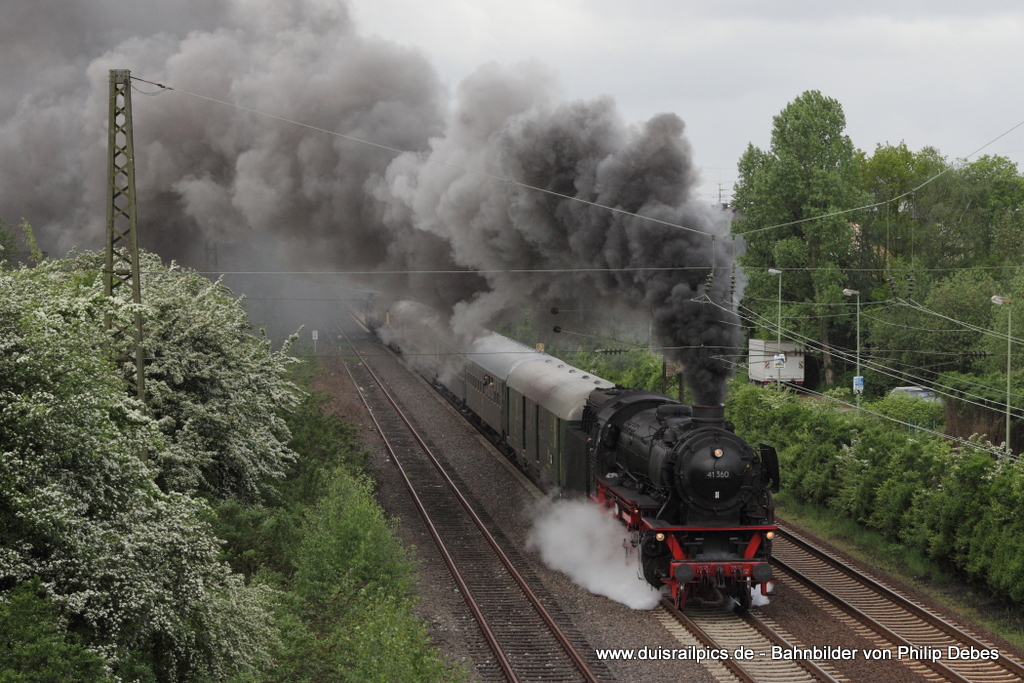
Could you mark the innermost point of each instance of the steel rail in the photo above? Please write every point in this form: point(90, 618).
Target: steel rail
point(467, 593)
point(705, 638)
point(733, 666)
point(542, 612)
point(914, 610)
point(892, 595)
point(775, 638)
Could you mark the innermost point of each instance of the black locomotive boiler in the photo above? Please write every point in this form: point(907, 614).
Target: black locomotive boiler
point(695, 496)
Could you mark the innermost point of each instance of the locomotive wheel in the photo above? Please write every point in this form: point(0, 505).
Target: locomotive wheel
point(742, 597)
point(654, 560)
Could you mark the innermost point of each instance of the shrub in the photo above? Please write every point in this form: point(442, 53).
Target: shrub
point(133, 571)
point(959, 506)
point(35, 646)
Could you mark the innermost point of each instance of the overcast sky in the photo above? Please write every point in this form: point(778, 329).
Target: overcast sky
point(930, 73)
point(939, 73)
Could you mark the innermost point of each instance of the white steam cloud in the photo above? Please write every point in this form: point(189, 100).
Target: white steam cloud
point(578, 539)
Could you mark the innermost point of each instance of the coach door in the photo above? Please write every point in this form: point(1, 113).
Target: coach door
point(547, 447)
point(530, 433)
point(514, 423)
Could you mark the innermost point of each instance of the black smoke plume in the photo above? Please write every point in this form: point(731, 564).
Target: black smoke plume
point(543, 249)
point(262, 193)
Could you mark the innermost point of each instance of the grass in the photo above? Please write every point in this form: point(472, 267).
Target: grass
point(908, 565)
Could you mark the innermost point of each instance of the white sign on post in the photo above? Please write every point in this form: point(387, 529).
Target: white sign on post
point(779, 361)
point(858, 385)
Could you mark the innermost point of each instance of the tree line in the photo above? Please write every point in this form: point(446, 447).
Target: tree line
point(926, 242)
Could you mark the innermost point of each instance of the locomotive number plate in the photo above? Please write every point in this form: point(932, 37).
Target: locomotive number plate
point(718, 474)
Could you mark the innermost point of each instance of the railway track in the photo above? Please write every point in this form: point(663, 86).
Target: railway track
point(901, 629)
point(523, 650)
point(526, 642)
point(744, 645)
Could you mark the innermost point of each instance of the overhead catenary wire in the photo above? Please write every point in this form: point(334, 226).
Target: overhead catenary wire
point(849, 356)
point(424, 157)
point(981, 330)
point(465, 271)
point(527, 271)
point(769, 324)
point(510, 181)
point(395, 150)
point(965, 443)
point(428, 159)
point(993, 450)
point(846, 355)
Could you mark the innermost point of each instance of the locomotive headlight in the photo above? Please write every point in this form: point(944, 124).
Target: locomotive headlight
point(718, 452)
point(659, 536)
point(770, 535)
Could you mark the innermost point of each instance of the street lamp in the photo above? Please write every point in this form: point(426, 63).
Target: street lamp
point(859, 377)
point(778, 328)
point(1000, 300)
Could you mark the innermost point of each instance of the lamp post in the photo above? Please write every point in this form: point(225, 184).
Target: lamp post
point(1000, 300)
point(778, 327)
point(859, 377)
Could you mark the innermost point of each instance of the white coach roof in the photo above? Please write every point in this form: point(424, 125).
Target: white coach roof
point(498, 354)
point(560, 388)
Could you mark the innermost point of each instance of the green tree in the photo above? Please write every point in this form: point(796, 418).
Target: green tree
point(978, 222)
point(8, 245)
point(36, 648)
point(891, 233)
point(809, 173)
point(921, 345)
point(955, 216)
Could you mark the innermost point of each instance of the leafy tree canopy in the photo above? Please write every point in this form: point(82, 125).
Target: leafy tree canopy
point(134, 570)
point(215, 389)
point(809, 173)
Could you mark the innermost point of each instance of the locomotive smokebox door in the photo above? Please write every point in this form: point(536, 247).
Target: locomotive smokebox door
point(713, 472)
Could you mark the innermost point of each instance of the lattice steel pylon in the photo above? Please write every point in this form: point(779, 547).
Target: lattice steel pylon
point(122, 266)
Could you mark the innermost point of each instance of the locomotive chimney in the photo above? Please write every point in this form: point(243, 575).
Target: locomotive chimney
point(709, 415)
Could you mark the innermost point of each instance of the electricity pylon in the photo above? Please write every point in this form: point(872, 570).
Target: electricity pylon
point(122, 265)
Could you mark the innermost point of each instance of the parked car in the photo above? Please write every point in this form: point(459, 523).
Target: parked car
point(916, 392)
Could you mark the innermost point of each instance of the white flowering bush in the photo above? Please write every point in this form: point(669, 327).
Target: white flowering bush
point(133, 570)
point(216, 390)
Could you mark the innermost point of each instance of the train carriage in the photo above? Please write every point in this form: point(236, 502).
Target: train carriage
point(696, 496)
point(546, 399)
point(488, 362)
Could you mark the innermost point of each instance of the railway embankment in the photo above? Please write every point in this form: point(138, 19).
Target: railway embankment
point(905, 501)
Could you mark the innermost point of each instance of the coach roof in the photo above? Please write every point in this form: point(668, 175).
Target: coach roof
point(498, 355)
point(558, 387)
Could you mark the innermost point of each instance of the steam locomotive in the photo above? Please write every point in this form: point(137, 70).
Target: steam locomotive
point(695, 496)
